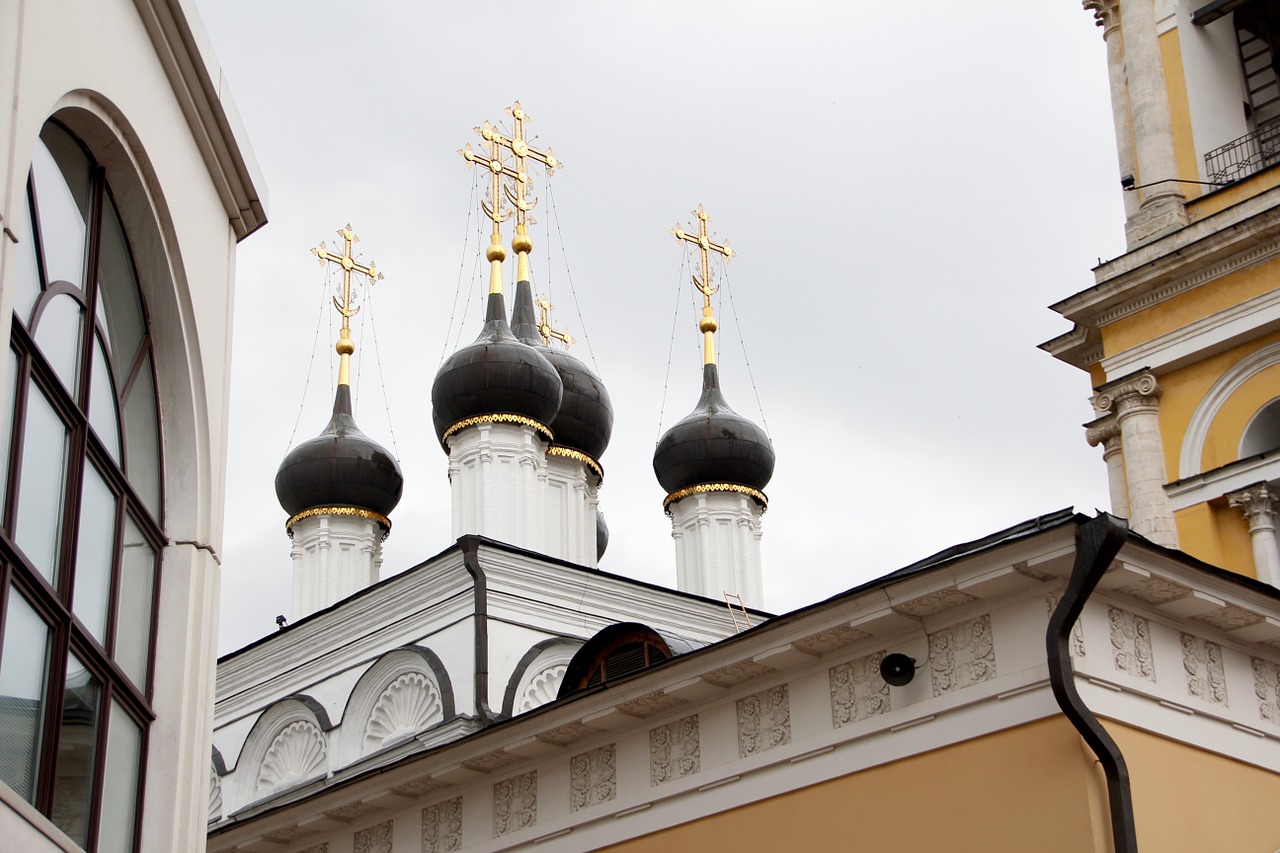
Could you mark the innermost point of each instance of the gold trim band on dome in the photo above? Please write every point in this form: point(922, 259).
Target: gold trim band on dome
point(352, 511)
point(570, 453)
point(497, 419)
point(716, 487)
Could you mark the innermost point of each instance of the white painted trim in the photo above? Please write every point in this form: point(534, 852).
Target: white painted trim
point(1204, 337)
point(1220, 481)
point(1217, 396)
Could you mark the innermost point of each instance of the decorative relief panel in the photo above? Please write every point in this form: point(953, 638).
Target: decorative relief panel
point(962, 655)
point(1230, 618)
point(1266, 686)
point(933, 603)
point(515, 803)
point(857, 690)
point(1051, 601)
point(593, 778)
point(296, 754)
point(1206, 678)
point(568, 733)
point(442, 827)
point(491, 761)
point(764, 721)
point(1131, 644)
point(675, 751)
point(215, 794)
point(542, 689)
point(1155, 590)
point(375, 839)
point(832, 639)
point(322, 847)
point(406, 707)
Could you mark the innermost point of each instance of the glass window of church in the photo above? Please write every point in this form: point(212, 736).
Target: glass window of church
point(80, 504)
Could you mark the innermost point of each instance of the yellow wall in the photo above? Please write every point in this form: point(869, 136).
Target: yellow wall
point(1223, 444)
point(1024, 789)
point(1217, 200)
point(1186, 800)
point(1184, 145)
point(1195, 304)
point(1218, 534)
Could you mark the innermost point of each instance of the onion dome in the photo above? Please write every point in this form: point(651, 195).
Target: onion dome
point(496, 375)
point(602, 535)
point(585, 420)
point(341, 467)
point(713, 445)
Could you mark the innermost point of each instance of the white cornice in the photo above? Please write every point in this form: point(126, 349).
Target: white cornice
point(185, 53)
point(1221, 481)
point(1243, 235)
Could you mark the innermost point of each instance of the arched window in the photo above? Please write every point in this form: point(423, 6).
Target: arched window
point(80, 528)
point(615, 652)
point(1263, 432)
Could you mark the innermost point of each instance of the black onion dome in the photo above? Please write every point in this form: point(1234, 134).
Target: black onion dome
point(585, 419)
point(497, 374)
point(713, 444)
point(602, 535)
point(340, 467)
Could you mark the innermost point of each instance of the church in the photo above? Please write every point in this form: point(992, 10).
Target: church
point(1078, 681)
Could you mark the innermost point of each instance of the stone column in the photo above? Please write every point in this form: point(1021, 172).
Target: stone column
point(1135, 403)
point(1162, 205)
point(1106, 431)
point(1107, 14)
point(1258, 503)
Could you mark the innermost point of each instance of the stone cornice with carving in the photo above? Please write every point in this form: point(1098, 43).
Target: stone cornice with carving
point(1140, 392)
point(1241, 236)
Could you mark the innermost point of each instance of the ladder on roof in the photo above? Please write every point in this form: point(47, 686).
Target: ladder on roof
point(729, 598)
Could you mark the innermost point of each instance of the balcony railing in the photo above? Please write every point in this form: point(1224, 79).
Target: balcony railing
point(1241, 158)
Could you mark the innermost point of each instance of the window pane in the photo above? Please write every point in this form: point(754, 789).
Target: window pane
point(62, 198)
point(6, 424)
point(118, 292)
point(24, 659)
point(103, 415)
point(120, 789)
point(44, 475)
point(141, 441)
point(58, 334)
point(27, 288)
point(133, 615)
point(77, 737)
point(95, 550)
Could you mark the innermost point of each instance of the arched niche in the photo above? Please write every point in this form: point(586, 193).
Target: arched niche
point(288, 745)
point(537, 677)
point(404, 692)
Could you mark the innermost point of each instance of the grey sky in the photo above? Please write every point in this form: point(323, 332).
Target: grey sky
point(908, 186)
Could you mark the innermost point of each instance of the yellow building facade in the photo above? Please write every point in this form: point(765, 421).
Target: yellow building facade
point(1180, 335)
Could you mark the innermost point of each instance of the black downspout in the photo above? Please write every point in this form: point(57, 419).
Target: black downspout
point(1098, 540)
point(470, 546)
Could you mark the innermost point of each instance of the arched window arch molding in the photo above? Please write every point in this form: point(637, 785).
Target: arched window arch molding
point(1202, 419)
point(407, 661)
point(270, 724)
point(188, 513)
point(545, 662)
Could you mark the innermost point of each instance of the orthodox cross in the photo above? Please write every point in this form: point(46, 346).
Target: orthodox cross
point(346, 307)
point(707, 325)
point(520, 149)
point(495, 254)
point(544, 325)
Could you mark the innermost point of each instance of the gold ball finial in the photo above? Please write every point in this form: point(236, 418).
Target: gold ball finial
point(522, 243)
point(707, 324)
point(495, 252)
point(345, 346)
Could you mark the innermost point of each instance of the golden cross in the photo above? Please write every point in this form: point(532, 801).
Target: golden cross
point(346, 307)
point(544, 325)
point(519, 147)
point(707, 325)
point(495, 254)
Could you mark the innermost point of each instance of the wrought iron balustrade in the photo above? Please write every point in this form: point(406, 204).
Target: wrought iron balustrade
point(1242, 157)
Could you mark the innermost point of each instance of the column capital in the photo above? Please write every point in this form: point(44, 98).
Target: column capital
point(1104, 431)
point(1140, 392)
point(1106, 14)
point(1257, 503)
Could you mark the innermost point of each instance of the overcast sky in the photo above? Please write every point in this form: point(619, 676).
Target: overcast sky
point(908, 186)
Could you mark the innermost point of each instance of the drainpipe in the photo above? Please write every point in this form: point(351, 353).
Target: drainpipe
point(1098, 540)
point(470, 546)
